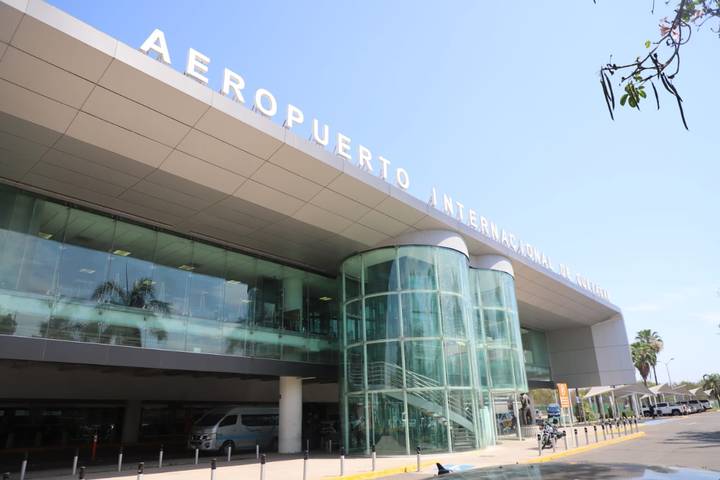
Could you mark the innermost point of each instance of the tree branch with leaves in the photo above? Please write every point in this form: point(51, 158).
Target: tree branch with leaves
point(661, 64)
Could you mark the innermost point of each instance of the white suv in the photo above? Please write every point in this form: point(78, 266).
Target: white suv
point(670, 409)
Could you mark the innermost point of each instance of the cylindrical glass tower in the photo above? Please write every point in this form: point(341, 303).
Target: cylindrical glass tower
point(409, 376)
point(498, 341)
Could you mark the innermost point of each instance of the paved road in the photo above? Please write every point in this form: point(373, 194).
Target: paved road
point(692, 442)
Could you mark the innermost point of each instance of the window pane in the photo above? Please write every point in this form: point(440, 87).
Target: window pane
point(452, 266)
point(294, 296)
point(355, 368)
point(353, 322)
point(421, 317)
point(207, 282)
point(452, 316)
point(482, 367)
point(458, 364)
point(239, 288)
point(173, 260)
point(384, 366)
point(268, 295)
point(501, 368)
point(423, 363)
point(496, 327)
point(427, 421)
point(489, 288)
point(380, 271)
point(382, 317)
point(417, 269)
point(84, 261)
point(387, 427)
point(357, 427)
point(351, 270)
point(462, 418)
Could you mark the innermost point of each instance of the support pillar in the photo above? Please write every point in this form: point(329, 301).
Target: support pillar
point(290, 422)
point(131, 421)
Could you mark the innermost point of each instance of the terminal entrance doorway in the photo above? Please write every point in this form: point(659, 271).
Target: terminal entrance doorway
point(505, 407)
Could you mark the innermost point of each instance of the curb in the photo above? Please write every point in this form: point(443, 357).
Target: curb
point(381, 473)
point(585, 448)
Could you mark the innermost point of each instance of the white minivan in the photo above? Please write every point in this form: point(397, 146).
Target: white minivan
point(236, 427)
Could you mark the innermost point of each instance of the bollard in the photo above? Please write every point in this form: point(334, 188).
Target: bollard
point(140, 470)
point(257, 452)
point(197, 455)
point(305, 463)
point(120, 456)
point(624, 427)
point(262, 466)
point(342, 461)
point(330, 446)
point(576, 438)
point(213, 466)
point(565, 438)
point(595, 430)
point(586, 436)
point(604, 434)
point(23, 466)
point(160, 456)
point(374, 455)
point(229, 453)
point(81, 473)
point(417, 451)
point(93, 449)
point(75, 461)
point(637, 428)
point(539, 445)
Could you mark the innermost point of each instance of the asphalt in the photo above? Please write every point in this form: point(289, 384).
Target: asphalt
point(692, 442)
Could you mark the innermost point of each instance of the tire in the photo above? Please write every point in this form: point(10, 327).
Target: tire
point(223, 448)
point(675, 413)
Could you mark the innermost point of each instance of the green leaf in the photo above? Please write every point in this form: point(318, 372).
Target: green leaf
point(647, 43)
point(632, 102)
point(642, 93)
point(623, 99)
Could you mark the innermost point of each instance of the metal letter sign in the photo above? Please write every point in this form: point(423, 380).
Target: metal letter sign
point(564, 395)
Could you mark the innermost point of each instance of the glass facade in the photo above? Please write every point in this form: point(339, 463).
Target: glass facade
point(70, 274)
point(423, 339)
point(537, 358)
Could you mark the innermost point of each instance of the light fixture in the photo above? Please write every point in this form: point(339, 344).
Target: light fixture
point(187, 268)
point(324, 299)
point(122, 253)
point(234, 282)
point(46, 236)
point(87, 270)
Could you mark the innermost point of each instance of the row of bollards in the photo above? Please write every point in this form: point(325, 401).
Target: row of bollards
point(619, 428)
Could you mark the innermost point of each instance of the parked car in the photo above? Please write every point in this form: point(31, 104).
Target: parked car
point(691, 408)
point(553, 411)
point(235, 427)
point(664, 408)
point(698, 404)
point(706, 404)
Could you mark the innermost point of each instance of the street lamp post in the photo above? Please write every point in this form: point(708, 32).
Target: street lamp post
point(667, 369)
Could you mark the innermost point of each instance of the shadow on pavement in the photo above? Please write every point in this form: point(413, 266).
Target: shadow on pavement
point(558, 471)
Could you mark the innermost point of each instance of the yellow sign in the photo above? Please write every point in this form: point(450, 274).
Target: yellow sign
point(564, 395)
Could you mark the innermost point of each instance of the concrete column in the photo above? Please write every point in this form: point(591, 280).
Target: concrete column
point(131, 422)
point(290, 422)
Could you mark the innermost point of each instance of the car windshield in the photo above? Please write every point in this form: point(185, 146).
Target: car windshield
point(209, 420)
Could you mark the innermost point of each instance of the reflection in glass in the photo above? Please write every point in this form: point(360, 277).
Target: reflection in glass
point(382, 317)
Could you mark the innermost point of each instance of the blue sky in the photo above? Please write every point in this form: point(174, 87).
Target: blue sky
point(499, 104)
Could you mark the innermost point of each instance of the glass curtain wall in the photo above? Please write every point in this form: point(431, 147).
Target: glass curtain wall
point(499, 351)
point(69, 274)
point(409, 376)
point(537, 358)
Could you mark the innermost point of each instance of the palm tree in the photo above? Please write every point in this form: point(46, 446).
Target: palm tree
point(140, 295)
point(642, 356)
point(711, 381)
point(653, 340)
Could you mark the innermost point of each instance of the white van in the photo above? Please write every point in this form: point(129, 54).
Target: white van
point(237, 427)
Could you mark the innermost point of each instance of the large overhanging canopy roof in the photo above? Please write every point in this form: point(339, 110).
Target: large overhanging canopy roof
point(662, 388)
point(86, 118)
point(618, 391)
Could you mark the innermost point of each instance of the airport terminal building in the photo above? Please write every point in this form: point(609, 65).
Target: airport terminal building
point(166, 248)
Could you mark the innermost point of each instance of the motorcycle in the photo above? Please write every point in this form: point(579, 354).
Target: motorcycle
point(548, 433)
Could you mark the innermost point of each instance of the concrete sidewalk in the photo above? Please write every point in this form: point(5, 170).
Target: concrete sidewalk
point(290, 467)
